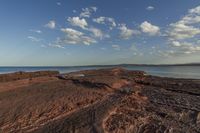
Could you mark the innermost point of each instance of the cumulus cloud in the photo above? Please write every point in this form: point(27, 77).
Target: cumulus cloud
point(182, 34)
point(75, 37)
point(187, 27)
point(195, 10)
point(51, 24)
point(126, 33)
point(188, 49)
point(176, 44)
point(184, 47)
point(106, 21)
point(150, 8)
point(97, 32)
point(86, 12)
point(76, 21)
point(182, 31)
point(150, 29)
point(190, 19)
point(116, 47)
point(82, 23)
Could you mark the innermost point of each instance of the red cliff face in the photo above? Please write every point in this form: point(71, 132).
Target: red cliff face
point(97, 101)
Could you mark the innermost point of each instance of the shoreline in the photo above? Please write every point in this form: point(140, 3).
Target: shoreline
point(165, 71)
point(104, 100)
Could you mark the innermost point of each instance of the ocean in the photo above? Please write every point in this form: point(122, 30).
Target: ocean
point(189, 72)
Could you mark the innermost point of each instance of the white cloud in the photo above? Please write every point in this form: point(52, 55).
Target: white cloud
point(150, 8)
point(51, 24)
point(36, 31)
point(194, 48)
point(150, 29)
point(94, 8)
point(183, 33)
point(195, 10)
point(97, 32)
point(116, 47)
point(88, 40)
point(176, 43)
point(126, 33)
point(58, 3)
point(76, 21)
point(72, 32)
point(86, 12)
point(187, 26)
point(180, 44)
point(34, 39)
point(188, 49)
point(57, 46)
point(75, 37)
point(100, 20)
point(190, 19)
point(184, 47)
point(106, 20)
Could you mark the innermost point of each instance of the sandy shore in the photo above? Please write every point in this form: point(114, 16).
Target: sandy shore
point(98, 101)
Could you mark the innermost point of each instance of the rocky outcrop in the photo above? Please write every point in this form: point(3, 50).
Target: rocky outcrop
point(25, 75)
point(103, 101)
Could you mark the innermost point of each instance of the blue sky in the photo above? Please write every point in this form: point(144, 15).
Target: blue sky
point(91, 32)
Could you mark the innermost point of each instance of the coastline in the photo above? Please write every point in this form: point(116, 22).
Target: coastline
point(105, 100)
point(185, 72)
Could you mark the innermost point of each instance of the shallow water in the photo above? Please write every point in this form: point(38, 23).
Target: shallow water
point(191, 72)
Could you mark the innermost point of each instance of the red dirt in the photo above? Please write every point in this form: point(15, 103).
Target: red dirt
point(12, 85)
point(97, 101)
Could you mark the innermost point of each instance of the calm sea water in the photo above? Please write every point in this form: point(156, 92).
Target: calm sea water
point(191, 72)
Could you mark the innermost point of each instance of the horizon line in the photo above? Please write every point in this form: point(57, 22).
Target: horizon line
point(174, 64)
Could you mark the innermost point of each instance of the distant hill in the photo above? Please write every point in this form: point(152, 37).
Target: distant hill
point(124, 65)
point(186, 64)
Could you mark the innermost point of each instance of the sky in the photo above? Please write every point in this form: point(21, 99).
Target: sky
point(99, 32)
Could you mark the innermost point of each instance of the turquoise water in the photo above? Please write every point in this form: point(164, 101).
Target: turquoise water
point(191, 72)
